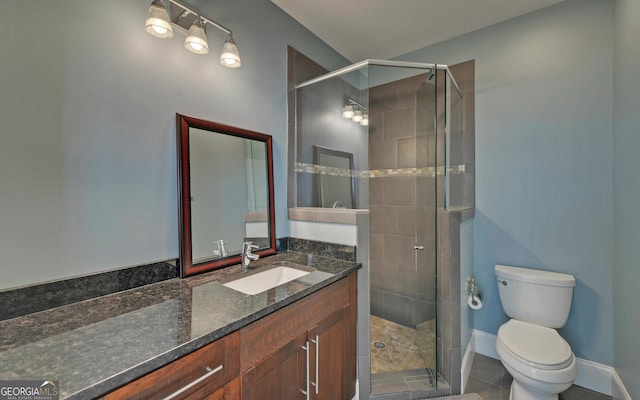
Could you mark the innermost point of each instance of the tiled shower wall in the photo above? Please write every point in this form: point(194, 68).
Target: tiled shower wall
point(400, 137)
point(462, 206)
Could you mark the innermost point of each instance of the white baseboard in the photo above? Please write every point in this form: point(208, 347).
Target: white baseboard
point(594, 376)
point(591, 375)
point(484, 343)
point(467, 362)
point(618, 391)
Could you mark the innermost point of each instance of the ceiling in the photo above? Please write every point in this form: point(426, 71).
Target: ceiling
point(384, 29)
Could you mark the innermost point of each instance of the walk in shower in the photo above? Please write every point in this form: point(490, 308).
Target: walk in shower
point(376, 136)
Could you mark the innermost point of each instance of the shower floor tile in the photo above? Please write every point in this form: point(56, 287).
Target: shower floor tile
point(404, 348)
point(407, 385)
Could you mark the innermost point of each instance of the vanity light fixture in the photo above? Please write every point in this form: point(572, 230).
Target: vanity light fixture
point(160, 24)
point(196, 40)
point(347, 112)
point(356, 112)
point(357, 116)
point(230, 57)
point(157, 22)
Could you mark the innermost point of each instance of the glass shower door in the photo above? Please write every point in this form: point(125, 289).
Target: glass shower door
point(403, 239)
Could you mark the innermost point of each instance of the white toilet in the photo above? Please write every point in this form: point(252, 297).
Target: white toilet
point(531, 350)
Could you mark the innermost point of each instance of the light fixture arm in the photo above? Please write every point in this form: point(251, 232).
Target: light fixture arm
point(204, 19)
point(217, 25)
point(355, 103)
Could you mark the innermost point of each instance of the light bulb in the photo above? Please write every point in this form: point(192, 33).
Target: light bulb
point(365, 120)
point(196, 40)
point(357, 116)
point(157, 22)
point(160, 30)
point(347, 112)
point(229, 57)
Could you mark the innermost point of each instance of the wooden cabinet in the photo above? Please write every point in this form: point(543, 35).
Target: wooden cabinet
point(194, 376)
point(304, 351)
point(230, 391)
point(327, 352)
point(309, 366)
point(276, 377)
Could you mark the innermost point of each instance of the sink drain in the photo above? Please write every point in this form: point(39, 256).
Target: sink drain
point(379, 345)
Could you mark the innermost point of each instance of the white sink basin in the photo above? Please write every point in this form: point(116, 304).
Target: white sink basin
point(258, 283)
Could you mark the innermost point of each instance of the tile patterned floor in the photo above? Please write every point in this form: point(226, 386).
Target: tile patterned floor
point(407, 385)
point(405, 348)
point(404, 368)
point(491, 381)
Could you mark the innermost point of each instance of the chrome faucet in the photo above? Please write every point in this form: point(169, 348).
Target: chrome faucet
point(247, 255)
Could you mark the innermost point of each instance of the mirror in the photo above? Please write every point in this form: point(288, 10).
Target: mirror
point(336, 188)
point(225, 184)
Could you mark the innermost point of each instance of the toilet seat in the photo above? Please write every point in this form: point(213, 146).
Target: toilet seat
point(536, 346)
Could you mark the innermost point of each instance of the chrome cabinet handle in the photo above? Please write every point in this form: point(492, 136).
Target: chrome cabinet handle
point(416, 247)
point(306, 350)
point(192, 384)
point(317, 343)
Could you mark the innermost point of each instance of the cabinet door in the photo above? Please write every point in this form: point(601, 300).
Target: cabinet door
point(277, 376)
point(327, 347)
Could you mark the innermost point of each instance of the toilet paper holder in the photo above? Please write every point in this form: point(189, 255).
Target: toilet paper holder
point(473, 300)
point(471, 286)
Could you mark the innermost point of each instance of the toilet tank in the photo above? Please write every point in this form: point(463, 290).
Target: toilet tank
point(531, 295)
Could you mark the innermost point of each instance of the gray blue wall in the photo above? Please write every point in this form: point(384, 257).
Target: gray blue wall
point(544, 98)
point(87, 145)
point(626, 193)
point(87, 141)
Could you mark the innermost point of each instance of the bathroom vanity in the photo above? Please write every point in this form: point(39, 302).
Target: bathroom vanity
point(312, 340)
point(196, 338)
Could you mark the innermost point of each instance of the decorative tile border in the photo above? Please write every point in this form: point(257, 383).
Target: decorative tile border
point(378, 173)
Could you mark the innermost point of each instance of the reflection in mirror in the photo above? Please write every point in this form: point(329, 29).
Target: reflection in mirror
point(217, 164)
point(336, 183)
point(226, 194)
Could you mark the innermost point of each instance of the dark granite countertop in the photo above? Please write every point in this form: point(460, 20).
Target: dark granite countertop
point(97, 345)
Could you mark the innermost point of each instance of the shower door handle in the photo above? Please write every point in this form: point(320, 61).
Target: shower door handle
point(416, 247)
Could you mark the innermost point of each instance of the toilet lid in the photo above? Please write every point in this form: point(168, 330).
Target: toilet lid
point(535, 344)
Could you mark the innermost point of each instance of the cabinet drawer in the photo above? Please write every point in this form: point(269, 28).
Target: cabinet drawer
point(203, 371)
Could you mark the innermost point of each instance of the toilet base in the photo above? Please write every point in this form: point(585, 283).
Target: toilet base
point(519, 392)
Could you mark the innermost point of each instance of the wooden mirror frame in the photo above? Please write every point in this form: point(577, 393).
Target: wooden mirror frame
point(183, 124)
